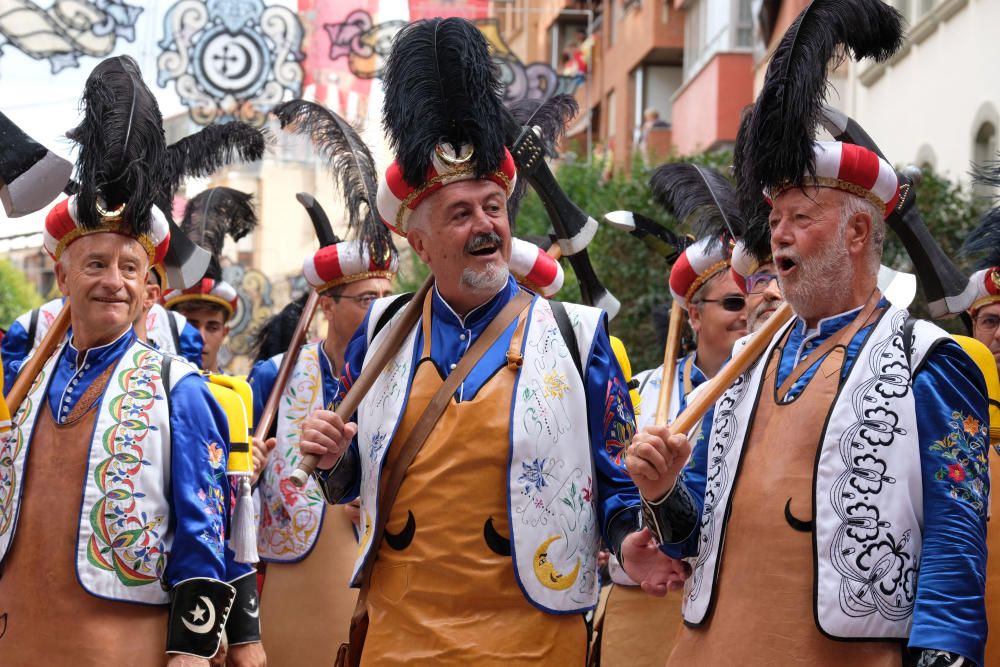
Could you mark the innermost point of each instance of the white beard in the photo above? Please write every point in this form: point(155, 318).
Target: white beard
point(829, 269)
point(491, 279)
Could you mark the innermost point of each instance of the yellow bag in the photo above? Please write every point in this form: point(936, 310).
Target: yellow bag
point(988, 365)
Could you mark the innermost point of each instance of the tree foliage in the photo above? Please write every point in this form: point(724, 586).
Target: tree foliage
point(17, 294)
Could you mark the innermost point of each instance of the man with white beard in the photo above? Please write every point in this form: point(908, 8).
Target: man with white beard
point(842, 490)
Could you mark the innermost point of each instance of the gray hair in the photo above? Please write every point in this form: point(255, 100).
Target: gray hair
point(852, 206)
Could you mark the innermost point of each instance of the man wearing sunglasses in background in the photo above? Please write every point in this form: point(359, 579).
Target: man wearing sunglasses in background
point(309, 546)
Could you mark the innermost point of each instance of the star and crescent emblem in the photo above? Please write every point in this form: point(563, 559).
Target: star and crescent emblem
point(199, 624)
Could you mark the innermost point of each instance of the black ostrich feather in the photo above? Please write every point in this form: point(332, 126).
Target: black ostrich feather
point(551, 117)
point(206, 151)
point(984, 241)
point(275, 334)
point(216, 212)
point(122, 148)
point(775, 146)
point(700, 197)
point(350, 161)
point(441, 87)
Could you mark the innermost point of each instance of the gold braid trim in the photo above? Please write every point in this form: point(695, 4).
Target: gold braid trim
point(107, 226)
point(704, 277)
point(985, 301)
point(840, 184)
point(171, 304)
point(353, 278)
point(462, 173)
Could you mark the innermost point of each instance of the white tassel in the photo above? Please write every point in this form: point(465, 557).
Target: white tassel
point(244, 525)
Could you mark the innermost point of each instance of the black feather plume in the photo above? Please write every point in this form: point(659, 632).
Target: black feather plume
point(350, 161)
point(216, 212)
point(275, 334)
point(551, 117)
point(441, 87)
point(700, 197)
point(122, 148)
point(984, 241)
point(777, 141)
point(208, 150)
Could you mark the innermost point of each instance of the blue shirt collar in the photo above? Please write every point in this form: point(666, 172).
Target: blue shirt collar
point(100, 355)
point(442, 311)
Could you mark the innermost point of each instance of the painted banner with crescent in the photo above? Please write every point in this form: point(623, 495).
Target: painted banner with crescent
point(67, 30)
point(231, 59)
point(364, 44)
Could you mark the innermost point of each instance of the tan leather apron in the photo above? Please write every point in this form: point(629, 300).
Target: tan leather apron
point(51, 620)
point(440, 595)
point(763, 614)
point(305, 607)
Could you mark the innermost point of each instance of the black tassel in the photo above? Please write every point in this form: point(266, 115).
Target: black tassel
point(275, 334)
point(551, 117)
point(216, 212)
point(349, 159)
point(776, 145)
point(441, 87)
point(700, 197)
point(122, 146)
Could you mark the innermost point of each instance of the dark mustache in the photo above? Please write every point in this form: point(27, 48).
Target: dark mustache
point(480, 240)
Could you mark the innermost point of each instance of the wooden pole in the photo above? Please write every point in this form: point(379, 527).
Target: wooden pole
point(393, 340)
point(26, 377)
point(712, 390)
point(270, 412)
point(670, 352)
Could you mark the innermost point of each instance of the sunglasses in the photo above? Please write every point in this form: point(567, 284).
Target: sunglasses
point(733, 303)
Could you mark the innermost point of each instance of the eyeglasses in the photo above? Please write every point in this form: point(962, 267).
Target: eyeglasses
point(733, 304)
point(988, 322)
point(364, 300)
point(758, 282)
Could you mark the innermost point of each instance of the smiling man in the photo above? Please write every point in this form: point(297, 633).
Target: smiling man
point(846, 469)
point(489, 552)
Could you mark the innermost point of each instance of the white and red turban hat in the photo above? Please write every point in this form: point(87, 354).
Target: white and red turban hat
point(535, 269)
point(698, 263)
point(209, 290)
point(62, 227)
point(346, 262)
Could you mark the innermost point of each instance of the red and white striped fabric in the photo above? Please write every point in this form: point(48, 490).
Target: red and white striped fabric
point(742, 265)
point(986, 283)
point(857, 170)
point(345, 262)
point(699, 262)
point(62, 227)
point(217, 292)
point(397, 198)
point(535, 269)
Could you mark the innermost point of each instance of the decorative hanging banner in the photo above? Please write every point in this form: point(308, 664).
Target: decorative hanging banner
point(366, 44)
point(231, 59)
point(67, 30)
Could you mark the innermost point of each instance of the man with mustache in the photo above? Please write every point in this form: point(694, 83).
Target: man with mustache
point(489, 552)
point(842, 481)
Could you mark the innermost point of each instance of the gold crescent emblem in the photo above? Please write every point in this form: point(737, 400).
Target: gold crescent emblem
point(546, 571)
point(453, 160)
point(366, 534)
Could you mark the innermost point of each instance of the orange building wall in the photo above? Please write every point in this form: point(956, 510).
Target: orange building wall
point(706, 112)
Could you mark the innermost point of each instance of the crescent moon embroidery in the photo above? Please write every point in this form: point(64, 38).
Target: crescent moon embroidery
point(497, 543)
point(367, 534)
point(546, 571)
point(197, 614)
point(254, 610)
point(795, 523)
point(402, 539)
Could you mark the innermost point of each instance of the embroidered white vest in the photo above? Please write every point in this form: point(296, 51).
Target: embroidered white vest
point(290, 517)
point(124, 535)
point(158, 329)
point(869, 464)
point(650, 382)
point(552, 513)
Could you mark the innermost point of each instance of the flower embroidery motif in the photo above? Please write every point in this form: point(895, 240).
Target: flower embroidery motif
point(619, 421)
point(215, 455)
point(534, 474)
point(555, 385)
point(963, 461)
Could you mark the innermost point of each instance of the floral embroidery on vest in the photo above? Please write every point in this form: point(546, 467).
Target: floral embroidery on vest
point(124, 542)
point(966, 450)
point(10, 447)
point(618, 426)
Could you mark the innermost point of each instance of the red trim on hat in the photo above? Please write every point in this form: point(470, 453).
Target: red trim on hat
point(741, 281)
point(59, 222)
point(543, 273)
point(858, 165)
point(682, 275)
point(326, 263)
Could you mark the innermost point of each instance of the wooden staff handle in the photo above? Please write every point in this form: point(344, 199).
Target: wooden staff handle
point(371, 370)
point(270, 412)
point(32, 367)
point(713, 389)
point(670, 352)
